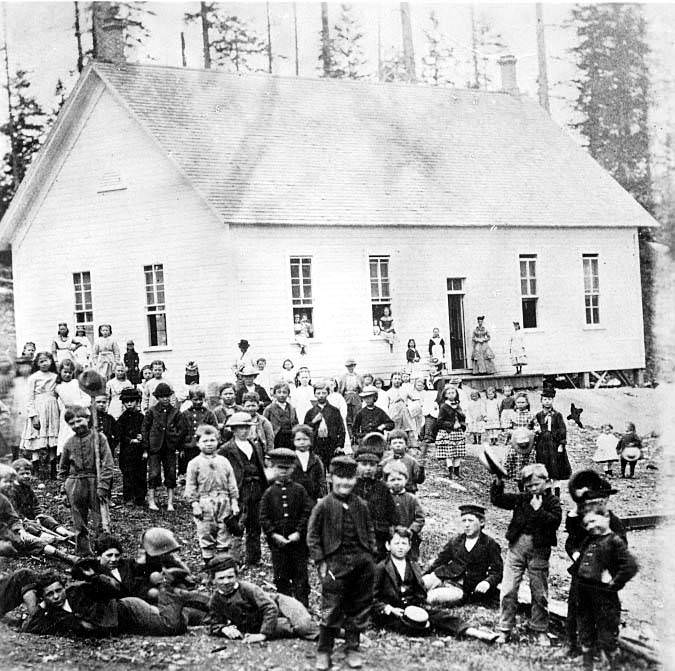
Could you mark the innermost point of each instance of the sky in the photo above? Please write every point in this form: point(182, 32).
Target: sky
point(40, 39)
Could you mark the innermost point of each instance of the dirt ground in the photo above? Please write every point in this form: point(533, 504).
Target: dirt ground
point(646, 600)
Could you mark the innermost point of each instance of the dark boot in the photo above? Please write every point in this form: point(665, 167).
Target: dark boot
point(556, 491)
point(456, 469)
point(352, 655)
point(587, 660)
point(324, 648)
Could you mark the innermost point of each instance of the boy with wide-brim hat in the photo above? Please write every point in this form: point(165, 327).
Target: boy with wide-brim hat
point(349, 385)
point(341, 541)
point(247, 384)
point(249, 471)
point(370, 418)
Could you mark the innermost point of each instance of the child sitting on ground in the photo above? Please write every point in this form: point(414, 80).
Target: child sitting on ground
point(341, 541)
point(211, 489)
point(398, 442)
point(309, 470)
point(281, 415)
point(604, 566)
point(629, 449)
point(408, 507)
point(284, 512)
point(241, 610)
point(531, 534)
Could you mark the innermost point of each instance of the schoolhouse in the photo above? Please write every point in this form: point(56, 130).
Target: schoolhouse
point(191, 208)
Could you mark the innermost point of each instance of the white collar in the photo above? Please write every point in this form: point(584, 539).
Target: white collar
point(400, 566)
point(303, 458)
point(469, 543)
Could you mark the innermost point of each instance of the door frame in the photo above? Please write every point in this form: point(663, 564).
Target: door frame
point(455, 287)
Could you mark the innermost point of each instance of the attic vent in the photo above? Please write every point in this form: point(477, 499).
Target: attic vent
point(110, 180)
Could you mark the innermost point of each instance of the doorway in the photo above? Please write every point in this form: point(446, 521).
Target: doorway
point(455, 287)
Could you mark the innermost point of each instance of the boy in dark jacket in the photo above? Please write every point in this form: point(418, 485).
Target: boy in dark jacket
point(326, 420)
point(309, 470)
point(469, 567)
point(370, 418)
point(408, 506)
point(106, 423)
point(374, 492)
point(284, 511)
point(341, 541)
point(163, 435)
point(133, 461)
point(196, 415)
point(604, 566)
point(531, 534)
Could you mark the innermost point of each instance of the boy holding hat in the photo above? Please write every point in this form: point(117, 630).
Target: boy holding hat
point(469, 567)
point(241, 610)
point(284, 512)
point(133, 459)
point(163, 432)
point(249, 472)
point(341, 541)
point(211, 489)
point(370, 418)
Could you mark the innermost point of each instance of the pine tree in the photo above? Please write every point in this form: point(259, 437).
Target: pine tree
point(486, 43)
point(394, 67)
point(345, 48)
point(438, 63)
point(613, 92)
point(25, 134)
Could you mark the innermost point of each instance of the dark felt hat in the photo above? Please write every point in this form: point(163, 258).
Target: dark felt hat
point(343, 467)
point(490, 459)
point(222, 563)
point(374, 442)
point(548, 392)
point(365, 453)
point(162, 390)
point(582, 482)
point(281, 456)
point(472, 509)
point(243, 343)
point(130, 394)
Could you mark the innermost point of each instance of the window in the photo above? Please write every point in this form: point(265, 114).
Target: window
point(301, 295)
point(84, 311)
point(528, 289)
point(380, 296)
point(591, 288)
point(155, 305)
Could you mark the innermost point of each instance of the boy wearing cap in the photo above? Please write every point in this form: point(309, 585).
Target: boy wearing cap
point(194, 416)
point(211, 489)
point(163, 432)
point(249, 472)
point(284, 513)
point(341, 541)
point(241, 610)
point(469, 567)
point(349, 385)
point(551, 440)
point(133, 460)
point(370, 418)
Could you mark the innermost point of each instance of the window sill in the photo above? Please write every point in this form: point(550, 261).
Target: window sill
point(158, 348)
point(310, 341)
point(534, 330)
point(594, 327)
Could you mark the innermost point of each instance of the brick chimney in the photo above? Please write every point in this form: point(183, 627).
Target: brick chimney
point(508, 67)
point(109, 39)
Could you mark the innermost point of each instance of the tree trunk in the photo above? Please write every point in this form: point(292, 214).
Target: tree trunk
point(269, 39)
point(408, 51)
point(10, 112)
point(542, 80)
point(295, 38)
point(205, 35)
point(325, 40)
point(474, 50)
point(78, 38)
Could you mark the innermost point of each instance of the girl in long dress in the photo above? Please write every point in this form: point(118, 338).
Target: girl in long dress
point(63, 346)
point(336, 399)
point(398, 408)
point(482, 355)
point(82, 353)
point(68, 392)
point(106, 352)
point(382, 395)
point(114, 388)
point(517, 349)
point(302, 395)
point(437, 346)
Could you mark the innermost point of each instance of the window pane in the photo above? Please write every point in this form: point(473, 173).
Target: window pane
point(373, 269)
point(384, 269)
point(523, 268)
point(523, 287)
point(295, 291)
point(533, 287)
point(385, 289)
point(529, 313)
point(596, 315)
point(589, 317)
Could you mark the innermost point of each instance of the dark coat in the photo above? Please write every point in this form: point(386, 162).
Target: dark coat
point(248, 608)
point(108, 427)
point(193, 418)
point(387, 588)
point(576, 534)
point(547, 443)
point(129, 425)
point(313, 479)
point(324, 531)
point(336, 427)
point(484, 562)
point(610, 553)
point(163, 428)
point(240, 390)
point(368, 420)
point(447, 417)
point(285, 509)
point(543, 522)
point(237, 460)
point(380, 502)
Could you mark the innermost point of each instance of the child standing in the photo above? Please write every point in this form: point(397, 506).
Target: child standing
point(149, 398)
point(302, 395)
point(114, 388)
point(492, 422)
point(519, 451)
point(309, 470)
point(163, 435)
point(398, 442)
point(370, 418)
point(605, 449)
point(531, 534)
point(106, 422)
point(132, 460)
point(261, 433)
point(106, 352)
point(551, 440)
point(604, 566)
point(131, 362)
point(409, 509)
point(629, 449)
point(416, 407)
point(284, 512)
point(398, 407)
point(507, 406)
point(281, 415)
point(225, 410)
point(68, 393)
point(41, 430)
point(85, 484)
point(451, 425)
point(475, 417)
point(196, 415)
point(342, 543)
point(211, 489)
point(82, 353)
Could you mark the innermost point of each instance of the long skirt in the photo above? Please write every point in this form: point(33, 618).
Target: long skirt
point(450, 444)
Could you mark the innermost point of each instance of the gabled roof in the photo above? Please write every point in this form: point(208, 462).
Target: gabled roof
point(264, 149)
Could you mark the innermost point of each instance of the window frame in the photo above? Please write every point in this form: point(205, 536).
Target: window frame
point(304, 302)
point(381, 300)
point(80, 293)
point(155, 308)
point(591, 289)
point(529, 292)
